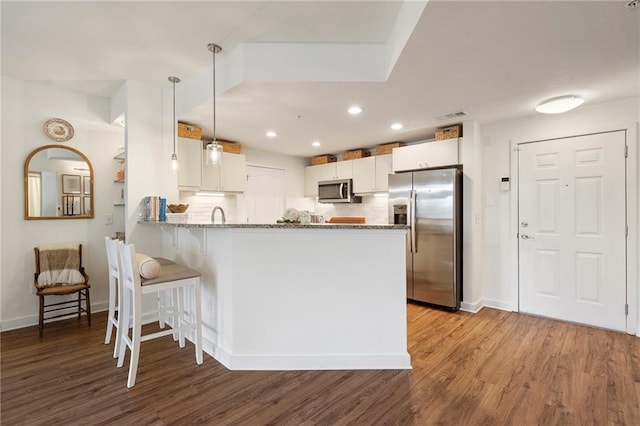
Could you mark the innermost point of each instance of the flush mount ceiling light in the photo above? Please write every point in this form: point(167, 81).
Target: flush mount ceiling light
point(315, 144)
point(271, 134)
point(397, 126)
point(214, 150)
point(354, 110)
point(559, 105)
point(174, 158)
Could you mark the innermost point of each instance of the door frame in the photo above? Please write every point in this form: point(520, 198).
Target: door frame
point(631, 189)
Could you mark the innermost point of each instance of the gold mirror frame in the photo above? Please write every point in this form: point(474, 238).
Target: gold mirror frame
point(81, 195)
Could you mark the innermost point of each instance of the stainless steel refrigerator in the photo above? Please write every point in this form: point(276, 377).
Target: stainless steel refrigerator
point(430, 202)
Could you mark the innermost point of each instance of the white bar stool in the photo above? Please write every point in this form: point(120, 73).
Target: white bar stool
point(172, 277)
point(115, 292)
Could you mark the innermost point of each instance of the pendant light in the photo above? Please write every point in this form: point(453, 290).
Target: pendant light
point(174, 157)
point(214, 150)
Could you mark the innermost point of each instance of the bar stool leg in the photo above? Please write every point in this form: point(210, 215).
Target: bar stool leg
point(111, 316)
point(124, 315)
point(181, 316)
point(136, 336)
point(198, 320)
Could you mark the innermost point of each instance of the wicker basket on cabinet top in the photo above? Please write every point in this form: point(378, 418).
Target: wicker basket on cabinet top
point(231, 147)
point(323, 159)
point(189, 131)
point(387, 148)
point(355, 154)
point(449, 132)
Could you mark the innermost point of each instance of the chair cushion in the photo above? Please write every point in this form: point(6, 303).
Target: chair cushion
point(164, 262)
point(148, 267)
point(59, 265)
point(172, 273)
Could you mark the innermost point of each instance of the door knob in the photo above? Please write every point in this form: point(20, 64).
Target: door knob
point(527, 237)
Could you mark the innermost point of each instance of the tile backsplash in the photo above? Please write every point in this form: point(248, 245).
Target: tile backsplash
point(375, 209)
point(200, 207)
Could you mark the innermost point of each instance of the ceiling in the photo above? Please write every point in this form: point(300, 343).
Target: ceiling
point(494, 60)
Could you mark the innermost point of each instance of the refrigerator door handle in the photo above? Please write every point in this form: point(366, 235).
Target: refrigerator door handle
point(412, 206)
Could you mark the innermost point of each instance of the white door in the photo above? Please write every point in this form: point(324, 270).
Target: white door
point(572, 229)
point(264, 195)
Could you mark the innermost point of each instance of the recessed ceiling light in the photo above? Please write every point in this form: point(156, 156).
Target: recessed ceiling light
point(315, 144)
point(354, 110)
point(271, 134)
point(397, 126)
point(559, 105)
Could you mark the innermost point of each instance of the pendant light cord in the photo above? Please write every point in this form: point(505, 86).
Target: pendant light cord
point(214, 96)
point(173, 80)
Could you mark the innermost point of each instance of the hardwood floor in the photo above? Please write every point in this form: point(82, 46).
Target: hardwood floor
point(491, 368)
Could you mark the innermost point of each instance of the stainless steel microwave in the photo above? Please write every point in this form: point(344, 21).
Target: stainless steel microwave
point(337, 191)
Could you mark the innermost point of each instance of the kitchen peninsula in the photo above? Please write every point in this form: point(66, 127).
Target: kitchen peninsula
point(293, 297)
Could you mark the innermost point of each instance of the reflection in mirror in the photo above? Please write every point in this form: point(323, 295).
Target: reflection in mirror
point(58, 184)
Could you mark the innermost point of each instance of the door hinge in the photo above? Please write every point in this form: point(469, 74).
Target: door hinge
point(626, 151)
point(626, 309)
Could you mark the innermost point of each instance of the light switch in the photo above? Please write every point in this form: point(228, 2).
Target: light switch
point(504, 184)
point(108, 219)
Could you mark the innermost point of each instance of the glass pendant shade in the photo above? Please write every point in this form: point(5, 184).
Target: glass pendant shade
point(174, 163)
point(214, 154)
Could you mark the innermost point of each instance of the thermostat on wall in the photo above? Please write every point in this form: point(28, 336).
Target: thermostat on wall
point(504, 184)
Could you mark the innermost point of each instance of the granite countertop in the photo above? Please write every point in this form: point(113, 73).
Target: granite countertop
point(273, 225)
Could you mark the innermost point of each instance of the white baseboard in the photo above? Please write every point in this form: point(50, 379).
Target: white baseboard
point(312, 362)
point(471, 307)
point(497, 304)
point(30, 320)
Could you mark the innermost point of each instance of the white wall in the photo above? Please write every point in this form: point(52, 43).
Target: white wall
point(148, 147)
point(25, 108)
point(496, 163)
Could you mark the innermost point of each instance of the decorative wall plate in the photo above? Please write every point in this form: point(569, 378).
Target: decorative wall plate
point(58, 129)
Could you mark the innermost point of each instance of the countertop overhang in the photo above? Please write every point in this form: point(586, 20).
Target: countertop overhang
point(272, 225)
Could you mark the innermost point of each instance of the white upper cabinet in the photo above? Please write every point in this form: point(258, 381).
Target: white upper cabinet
point(189, 157)
point(383, 170)
point(328, 171)
point(312, 174)
point(426, 155)
point(231, 176)
point(336, 170)
point(371, 174)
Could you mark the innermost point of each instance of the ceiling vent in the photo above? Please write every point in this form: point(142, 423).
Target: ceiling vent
point(453, 115)
point(633, 4)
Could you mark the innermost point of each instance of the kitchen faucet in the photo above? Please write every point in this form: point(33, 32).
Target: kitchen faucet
point(213, 214)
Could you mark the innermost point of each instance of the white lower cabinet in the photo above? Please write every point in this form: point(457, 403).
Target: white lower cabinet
point(426, 155)
point(189, 157)
point(371, 174)
point(231, 176)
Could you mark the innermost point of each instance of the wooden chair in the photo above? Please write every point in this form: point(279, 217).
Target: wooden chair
point(59, 272)
point(175, 278)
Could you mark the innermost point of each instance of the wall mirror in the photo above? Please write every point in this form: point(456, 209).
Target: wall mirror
point(58, 184)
